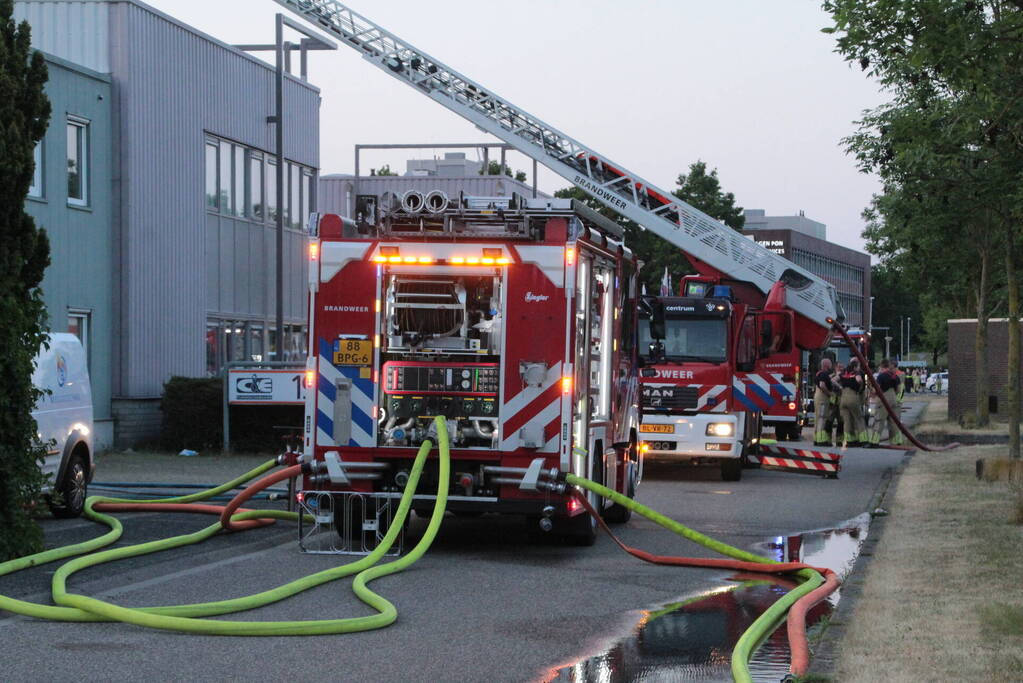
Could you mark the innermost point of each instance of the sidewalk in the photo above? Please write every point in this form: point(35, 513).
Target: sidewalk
point(940, 599)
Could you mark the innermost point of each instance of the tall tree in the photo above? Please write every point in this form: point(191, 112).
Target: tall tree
point(698, 188)
point(955, 70)
point(24, 114)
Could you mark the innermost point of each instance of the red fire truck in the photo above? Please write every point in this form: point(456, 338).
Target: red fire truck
point(512, 317)
point(716, 360)
point(808, 303)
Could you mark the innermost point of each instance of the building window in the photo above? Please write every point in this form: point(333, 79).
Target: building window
point(234, 340)
point(271, 189)
point(239, 180)
point(242, 181)
point(293, 211)
point(256, 343)
point(226, 203)
point(77, 161)
point(78, 325)
point(256, 209)
point(308, 195)
point(212, 191)
point(36, 188)
point(213, 362)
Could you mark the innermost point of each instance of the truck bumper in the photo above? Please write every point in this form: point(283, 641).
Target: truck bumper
point(688, 437)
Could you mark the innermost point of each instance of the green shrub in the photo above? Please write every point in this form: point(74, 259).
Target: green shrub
point(193, 414)
point(24, 256)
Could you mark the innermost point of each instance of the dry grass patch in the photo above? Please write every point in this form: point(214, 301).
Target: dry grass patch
point(947, 564)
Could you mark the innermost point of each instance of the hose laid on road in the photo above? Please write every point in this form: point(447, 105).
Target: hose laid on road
point(74, 607)
point(766, 622)
point(188, 618)
point(892, 413)
point(51, 612)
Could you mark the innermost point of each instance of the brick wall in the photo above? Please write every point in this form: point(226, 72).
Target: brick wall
point(137, 421)
point(962, 375)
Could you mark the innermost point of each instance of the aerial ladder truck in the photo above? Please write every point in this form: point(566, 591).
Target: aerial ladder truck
point(718, 253)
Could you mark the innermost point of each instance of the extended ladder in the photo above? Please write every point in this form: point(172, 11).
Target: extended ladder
point(626, 193)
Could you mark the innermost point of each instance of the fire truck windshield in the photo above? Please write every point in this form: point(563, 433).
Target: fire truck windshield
point(689, 339)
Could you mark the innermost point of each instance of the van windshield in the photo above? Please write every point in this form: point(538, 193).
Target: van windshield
point(689, 339)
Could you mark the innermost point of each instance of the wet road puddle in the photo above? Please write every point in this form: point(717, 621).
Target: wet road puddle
point(692, 639)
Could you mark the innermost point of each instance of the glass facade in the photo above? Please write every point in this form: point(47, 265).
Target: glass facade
point(242, 182)
point(250, 340)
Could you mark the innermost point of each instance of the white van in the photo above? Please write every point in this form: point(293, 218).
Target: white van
point(64, 421)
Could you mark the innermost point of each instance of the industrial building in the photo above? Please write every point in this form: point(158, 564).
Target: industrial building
point(70, 198)
point(358, 196)
point(164, 240)
point(804, 242)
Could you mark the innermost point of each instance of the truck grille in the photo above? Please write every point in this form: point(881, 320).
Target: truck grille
point(670, 398)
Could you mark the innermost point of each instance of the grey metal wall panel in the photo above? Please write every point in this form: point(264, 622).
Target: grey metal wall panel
point(173, 85)
point(75, 31)
point(212, 261)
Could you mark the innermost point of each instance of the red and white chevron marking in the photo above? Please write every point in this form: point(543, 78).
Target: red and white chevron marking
point(825, 456)
point(792, 463)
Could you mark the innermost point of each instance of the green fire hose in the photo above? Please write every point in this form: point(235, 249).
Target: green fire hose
point(766, 622)
point(186, 618)
point(190, 618)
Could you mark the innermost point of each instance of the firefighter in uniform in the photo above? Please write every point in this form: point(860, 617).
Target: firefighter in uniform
point(822, 393)
point(900, 390)
point(834, 421)
point(850, 405)
point(888, 381)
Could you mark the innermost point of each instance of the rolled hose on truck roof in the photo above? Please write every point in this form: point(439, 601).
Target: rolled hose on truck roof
point(189, 618)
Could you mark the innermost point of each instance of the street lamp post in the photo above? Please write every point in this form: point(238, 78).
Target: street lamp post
point(887, 346)
point(909, 335)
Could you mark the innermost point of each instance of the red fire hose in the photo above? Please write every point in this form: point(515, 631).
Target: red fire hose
point(796, 623)
point(251, 490)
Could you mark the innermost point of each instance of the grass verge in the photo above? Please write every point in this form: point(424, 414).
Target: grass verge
point(941, 598)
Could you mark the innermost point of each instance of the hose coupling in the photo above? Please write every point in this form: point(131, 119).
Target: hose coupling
point(288, 458)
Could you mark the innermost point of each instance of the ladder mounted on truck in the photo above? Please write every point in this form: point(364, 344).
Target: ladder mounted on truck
point(657, 210)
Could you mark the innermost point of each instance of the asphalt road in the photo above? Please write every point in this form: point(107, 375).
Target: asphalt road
point(484, 604)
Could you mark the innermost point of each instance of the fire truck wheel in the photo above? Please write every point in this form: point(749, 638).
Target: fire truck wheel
point(580, 530)
point(781, 432)
point(731, 469)
point(619, 514)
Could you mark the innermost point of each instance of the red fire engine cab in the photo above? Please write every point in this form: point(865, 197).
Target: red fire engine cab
point(513, 318)
point(717, 361)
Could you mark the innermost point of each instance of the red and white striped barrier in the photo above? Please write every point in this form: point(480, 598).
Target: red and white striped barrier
point(799, 460)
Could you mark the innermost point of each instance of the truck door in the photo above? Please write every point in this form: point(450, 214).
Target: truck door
point(580, 361)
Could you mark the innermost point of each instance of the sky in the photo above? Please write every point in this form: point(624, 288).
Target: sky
point(752, 88)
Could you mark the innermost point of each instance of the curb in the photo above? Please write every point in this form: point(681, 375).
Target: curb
point(825, 648)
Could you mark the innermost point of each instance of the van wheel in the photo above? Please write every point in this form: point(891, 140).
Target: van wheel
point(72, 490)
point(731, 469)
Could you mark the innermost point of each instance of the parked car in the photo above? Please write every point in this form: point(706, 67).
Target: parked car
point(932, 382)
point(63, 418)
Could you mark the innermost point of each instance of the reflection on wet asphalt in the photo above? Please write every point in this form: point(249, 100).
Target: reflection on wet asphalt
point(692, 639)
